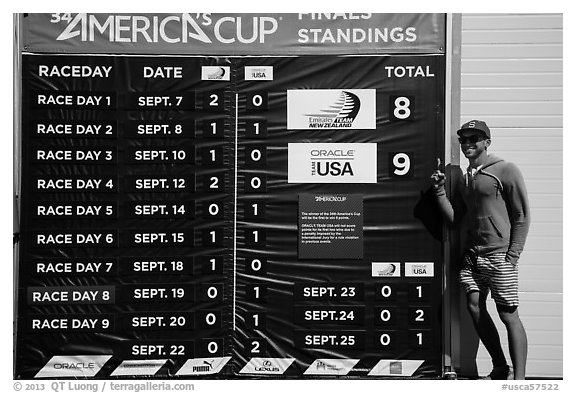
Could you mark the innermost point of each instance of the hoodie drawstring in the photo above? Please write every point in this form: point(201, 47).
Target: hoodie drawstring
point(500, 186)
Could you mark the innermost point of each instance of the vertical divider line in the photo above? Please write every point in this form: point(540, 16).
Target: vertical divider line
point(235, 211)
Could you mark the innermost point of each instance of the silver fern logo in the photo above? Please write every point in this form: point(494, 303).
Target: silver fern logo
point(340, 114)
point(215, 73)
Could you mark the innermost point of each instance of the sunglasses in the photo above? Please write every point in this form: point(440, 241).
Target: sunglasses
point(471, 139)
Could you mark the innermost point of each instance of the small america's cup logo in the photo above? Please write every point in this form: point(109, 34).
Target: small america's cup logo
point(340, 114)
point(217, 74)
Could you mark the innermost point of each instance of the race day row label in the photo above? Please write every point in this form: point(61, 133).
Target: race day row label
point(129, 321)
point(64, 267)
point(142, 183)
point(105, 294)
point(65, 322)
point(133, 293)
point(110, 238)
point(75, 184)
point(109, 100)
point(76, 210)
point(76, 155)
point(133, 209)
point(72, 129)
point(109, 129)
point(52, 100)
point(133, 155)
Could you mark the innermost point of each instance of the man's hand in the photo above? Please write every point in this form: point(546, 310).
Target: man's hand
point(438, 177)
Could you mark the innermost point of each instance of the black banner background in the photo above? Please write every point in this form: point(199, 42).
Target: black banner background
point(392, 234)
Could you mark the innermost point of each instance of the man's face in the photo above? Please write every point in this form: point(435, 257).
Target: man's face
point(473, 143)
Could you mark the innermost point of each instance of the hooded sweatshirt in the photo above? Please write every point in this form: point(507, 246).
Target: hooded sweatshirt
point(492, 203)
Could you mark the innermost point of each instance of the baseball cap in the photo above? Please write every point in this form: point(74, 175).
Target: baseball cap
point(475, 125)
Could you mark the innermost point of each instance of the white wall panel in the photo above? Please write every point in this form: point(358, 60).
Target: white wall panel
point(512, 78)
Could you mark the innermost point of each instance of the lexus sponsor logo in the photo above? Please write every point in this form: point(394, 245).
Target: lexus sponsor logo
point(215, 73)
point(267, 366)
point(419, 269)
point(332, 163)
point(386, 269)
point(276, 366)
point(331, 109)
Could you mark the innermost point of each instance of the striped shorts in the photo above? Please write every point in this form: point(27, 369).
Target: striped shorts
point(491, 273)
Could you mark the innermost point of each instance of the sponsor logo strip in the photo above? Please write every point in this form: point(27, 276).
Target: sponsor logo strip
point(386, 269)
point(203, 366)
point(273, 366)
point(395, 368)
point(73, 366)
point(259, 73)
point(331, 367)
point(215, 73)
point(419, 269)
point(138, 367)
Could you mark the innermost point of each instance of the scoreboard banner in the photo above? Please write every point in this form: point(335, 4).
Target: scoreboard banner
point(228, 216)
point(234, 34)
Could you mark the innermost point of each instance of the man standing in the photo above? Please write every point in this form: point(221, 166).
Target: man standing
point(490, 201)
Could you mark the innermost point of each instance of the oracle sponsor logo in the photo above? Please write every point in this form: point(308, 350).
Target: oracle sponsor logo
point(419, 269)
point(258, 73)
point(73, 366)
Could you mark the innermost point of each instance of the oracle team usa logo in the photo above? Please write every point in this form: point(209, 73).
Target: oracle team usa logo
point(331, 109)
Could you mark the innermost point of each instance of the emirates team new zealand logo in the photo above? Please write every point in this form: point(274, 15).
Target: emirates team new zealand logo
point(340, 114)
